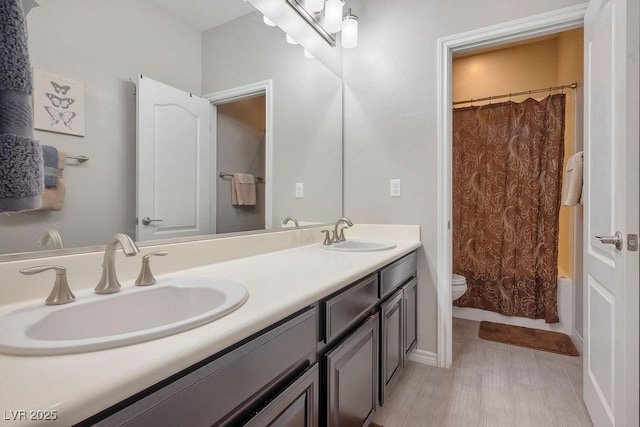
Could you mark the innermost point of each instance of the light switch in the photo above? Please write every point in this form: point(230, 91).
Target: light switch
point(299, 190)
point(396, 188)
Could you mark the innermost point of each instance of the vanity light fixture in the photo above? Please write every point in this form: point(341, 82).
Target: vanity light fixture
point(349, 31)
point(333, 16)
point(268, 21)
point(314, 6)
point(290, 40)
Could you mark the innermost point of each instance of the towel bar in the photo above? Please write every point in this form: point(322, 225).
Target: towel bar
point(229, 175)
point(80, 159)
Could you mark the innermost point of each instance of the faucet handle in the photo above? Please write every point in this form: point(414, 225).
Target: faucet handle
point(61, 293)
point(341, 237)
point(145, 278)
point(327, 237)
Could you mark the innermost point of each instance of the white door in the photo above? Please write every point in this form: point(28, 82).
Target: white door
point(611, 204)
point(173, 164)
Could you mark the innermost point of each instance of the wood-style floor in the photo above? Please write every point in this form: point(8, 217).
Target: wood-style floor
point(489, 384)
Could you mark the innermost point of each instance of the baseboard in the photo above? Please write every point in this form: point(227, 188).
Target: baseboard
point(577, 340)
point(424, 357)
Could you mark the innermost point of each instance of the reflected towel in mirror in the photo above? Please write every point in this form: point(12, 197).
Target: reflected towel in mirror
point(53, 197)
point(21, 172)
point(243, 189)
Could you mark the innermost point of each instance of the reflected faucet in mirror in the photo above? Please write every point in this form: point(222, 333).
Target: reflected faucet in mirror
point(108, 283)
point(290, 218)
point(52, 236)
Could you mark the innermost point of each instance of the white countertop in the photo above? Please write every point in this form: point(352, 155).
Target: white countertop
point(280, 283)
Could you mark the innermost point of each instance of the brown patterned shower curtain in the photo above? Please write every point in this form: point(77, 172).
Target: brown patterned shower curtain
point(507, 185)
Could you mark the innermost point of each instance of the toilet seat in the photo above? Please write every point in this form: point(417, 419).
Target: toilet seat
point(457, 279)
point(458, 286)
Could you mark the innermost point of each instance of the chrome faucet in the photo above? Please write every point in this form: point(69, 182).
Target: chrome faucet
point(108, 283)
point(52, 236)
point(338, 236)
point(290, 218)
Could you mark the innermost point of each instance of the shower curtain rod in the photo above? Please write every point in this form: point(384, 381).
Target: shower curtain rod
point(509, 95)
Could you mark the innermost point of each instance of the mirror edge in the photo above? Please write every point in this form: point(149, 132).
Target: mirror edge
point(23, 256)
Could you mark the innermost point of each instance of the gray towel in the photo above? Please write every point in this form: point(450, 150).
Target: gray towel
point(21, 169)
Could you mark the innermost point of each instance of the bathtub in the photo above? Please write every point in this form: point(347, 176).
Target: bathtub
point(566, 314)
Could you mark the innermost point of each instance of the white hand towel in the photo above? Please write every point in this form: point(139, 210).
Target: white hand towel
point(243, 189)
point(572, 186)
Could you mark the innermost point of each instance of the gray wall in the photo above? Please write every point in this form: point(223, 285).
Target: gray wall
point(103, 43)
point(307, 112)
point(390, 117)
point(240, 148)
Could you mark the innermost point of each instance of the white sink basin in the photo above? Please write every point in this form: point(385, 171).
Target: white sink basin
point(135, 314)
point(360, 245)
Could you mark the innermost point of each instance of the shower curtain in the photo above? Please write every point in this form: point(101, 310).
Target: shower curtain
point(507, 185)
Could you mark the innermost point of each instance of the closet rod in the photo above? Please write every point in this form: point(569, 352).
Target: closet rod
point(509, 95)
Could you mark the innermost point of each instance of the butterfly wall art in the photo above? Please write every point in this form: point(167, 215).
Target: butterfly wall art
point(58, 103)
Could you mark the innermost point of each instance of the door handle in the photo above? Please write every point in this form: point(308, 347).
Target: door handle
point(616, 240)
point(146, 220)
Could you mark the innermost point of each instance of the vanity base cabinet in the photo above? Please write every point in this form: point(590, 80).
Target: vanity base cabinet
point(296, 406)
point(228, 389)
point(352, 377)
point(391, 341)
point(410, 307)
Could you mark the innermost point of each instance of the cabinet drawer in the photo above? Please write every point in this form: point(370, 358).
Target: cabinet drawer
point(397, 273)
point(350, 306)
point(224, 389)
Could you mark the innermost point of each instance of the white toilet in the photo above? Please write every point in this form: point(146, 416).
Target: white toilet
point(458, 286)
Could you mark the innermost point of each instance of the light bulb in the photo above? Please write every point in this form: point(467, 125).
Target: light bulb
point(290, 40)
point(333, 16)
point(314, 6)
point(350, 31)
point(308, 54)
point(268, 21)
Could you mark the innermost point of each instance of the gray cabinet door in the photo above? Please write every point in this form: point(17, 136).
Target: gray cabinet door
point(296, 406)
point(410, 316)
point(352, 377)
point(392, 348)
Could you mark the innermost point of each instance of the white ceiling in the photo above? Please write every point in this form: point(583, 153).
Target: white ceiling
point(205, 14)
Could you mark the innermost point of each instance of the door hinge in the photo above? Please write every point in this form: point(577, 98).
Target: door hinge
point(632, 242)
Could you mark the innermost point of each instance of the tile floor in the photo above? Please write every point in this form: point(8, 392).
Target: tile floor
point(489, 384)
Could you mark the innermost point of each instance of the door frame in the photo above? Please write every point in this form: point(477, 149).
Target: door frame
point(265, 88)
point(555, 21)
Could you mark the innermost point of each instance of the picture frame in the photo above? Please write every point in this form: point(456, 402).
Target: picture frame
point(58, 103)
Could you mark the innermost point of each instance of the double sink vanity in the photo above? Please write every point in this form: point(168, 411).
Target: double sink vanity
point(298, 333)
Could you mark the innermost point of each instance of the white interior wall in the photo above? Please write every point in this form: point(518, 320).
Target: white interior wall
point(68, 37)
point(391, 112)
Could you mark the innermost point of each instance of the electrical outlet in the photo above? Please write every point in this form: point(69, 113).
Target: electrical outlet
point(396, 188)
point(299, 190)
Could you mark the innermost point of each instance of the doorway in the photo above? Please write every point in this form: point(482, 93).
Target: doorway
point(241, 120)
point(491, 37)
point(240, 148)
point(533, 68)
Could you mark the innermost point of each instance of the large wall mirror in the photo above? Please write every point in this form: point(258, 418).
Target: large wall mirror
point(288, 137)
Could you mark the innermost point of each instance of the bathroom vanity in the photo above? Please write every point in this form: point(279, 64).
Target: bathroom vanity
point(317, 367)
point(322, 336)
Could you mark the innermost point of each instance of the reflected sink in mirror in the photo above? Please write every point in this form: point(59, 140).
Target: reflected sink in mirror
point(95, 322)
point(360, 245)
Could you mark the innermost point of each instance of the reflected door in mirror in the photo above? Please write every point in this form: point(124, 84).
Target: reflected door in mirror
point(173, 155)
